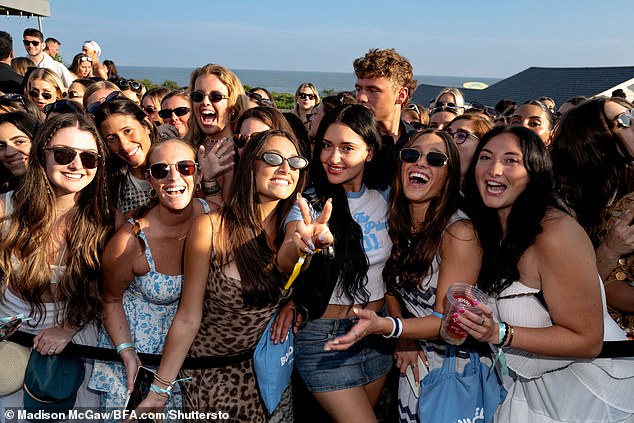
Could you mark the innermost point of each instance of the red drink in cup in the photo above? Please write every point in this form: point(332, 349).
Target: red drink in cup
point(459, 295)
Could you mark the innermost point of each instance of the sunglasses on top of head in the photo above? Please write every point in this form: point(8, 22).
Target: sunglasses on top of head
point(306, 96)
point(85, 59)
point(198, 96)
point(128, 84)
point(434, 158)
point(65, 155)
point(489, 111)
point(107, 99)
point(624, 119)
point(184, 167)
point(62, 106)
point(178, 111)
point(258, 98)
point(275, 159)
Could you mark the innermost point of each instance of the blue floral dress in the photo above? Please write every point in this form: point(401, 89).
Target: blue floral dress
point(150, 303)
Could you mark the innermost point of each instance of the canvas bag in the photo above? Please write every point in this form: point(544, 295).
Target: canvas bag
point(273, 365)
point(447, 396)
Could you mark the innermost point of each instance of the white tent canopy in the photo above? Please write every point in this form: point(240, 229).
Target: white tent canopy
point(27, 8)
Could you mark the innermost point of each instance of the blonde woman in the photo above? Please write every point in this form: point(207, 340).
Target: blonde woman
point(44, 87)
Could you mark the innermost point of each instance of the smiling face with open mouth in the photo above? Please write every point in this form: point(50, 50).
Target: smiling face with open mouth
point(213, 119)
point(500, 173)
point(70, 178)
point(176, 189)
point(422, 182)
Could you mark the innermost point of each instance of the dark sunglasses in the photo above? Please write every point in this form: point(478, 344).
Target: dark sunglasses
point(62, 106)
point(32, 42)
point(258, 98)
point(461, 136)
point(184, 167)
point(275, 159)
point(65, 155)
point(214, 96)
point(149, 110)
point(178, 111)
point(624, 119)
point(128, 84)
point(413, 107)
point(13, 97)
point(434, 158)
point(92, 109)
point(305, 96)
point(37, 94)
point(240, 140)
point(418, 126)
point(489, 111)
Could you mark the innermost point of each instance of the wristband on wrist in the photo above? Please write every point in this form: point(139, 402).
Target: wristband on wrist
point(391, 334)
point(163, 392)
point(211, 190)
point(399, 327)
point(503, 330)
point(125, 346)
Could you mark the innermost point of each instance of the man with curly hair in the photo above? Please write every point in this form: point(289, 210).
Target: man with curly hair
point(385, 84)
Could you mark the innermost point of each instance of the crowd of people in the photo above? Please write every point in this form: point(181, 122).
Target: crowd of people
point(168, 222)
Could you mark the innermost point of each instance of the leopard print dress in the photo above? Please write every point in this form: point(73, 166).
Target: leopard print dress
point(229, 327)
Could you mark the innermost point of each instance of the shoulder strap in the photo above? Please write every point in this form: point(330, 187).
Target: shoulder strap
point(205, 206)
point(148, 253)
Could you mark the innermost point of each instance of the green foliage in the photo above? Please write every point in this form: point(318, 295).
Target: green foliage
point(171, 84)
point(284, 100)
point(148, 84)
point(327, 92)
point(60, 59)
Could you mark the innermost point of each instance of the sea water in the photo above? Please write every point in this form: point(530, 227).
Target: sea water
point(286, 81)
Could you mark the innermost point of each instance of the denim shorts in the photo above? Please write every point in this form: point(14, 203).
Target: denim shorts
point(323, 371)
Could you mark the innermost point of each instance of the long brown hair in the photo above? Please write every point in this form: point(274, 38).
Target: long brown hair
point(414, 244)
point(29, 234)
point(241, 233)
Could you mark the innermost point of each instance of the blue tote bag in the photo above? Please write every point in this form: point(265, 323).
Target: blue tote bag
point(273, 365)
point(447, 396)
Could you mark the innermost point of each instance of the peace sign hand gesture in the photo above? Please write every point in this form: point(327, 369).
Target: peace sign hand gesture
point(313, 234)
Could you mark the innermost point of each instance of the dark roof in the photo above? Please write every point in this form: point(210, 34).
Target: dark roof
point(560, 84)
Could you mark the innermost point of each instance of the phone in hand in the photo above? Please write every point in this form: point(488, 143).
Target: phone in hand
point(422, 372)
point(9, 327)
point(142, 382)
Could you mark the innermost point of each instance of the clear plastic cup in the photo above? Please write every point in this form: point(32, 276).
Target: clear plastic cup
point(459, 295)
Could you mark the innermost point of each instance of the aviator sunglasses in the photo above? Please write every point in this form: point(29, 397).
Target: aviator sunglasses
point(214, 96)
point(178, 111)
point(275, 159)
point(184, 167)
point(624, 119)
point(65, 155)
point(434, 158)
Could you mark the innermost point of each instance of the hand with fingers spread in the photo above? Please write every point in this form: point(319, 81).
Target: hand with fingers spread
point(217, 159)
point(482, 327)
point(312, 234)
point(369, 323)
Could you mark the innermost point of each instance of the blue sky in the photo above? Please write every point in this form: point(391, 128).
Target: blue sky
point(453, 38)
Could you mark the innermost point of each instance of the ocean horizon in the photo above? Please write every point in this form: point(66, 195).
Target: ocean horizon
point(287, 81)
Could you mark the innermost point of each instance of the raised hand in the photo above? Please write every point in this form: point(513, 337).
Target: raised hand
point(313, 234)
point(217, 159)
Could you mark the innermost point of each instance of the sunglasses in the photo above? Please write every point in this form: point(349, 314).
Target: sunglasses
point(624, 119)
point(434, 158)
point(85, 59)
point(258, 98)
point(13, 97)
point(149, 110)
point(128, 84)
point(65, 155)
point(184, 167)
point(75, 94)
point(413, 107)
point(489, 111)
point(275, 159)
point(62, 106)
point(461, 136)
point(240, 140)
point(305, 96)
point(214, 96)
point(92, 109)
point(32, 42)
point(178, 111)
point(36, 94)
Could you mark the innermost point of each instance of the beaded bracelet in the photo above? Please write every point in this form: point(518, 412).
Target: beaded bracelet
point(510, 340)
point(125, 346)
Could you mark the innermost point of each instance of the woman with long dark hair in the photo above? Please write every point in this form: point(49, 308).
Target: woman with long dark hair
point(55, 226)
point(231, 284)
point(433, 246)
point(549, 314)
point(17, 131)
